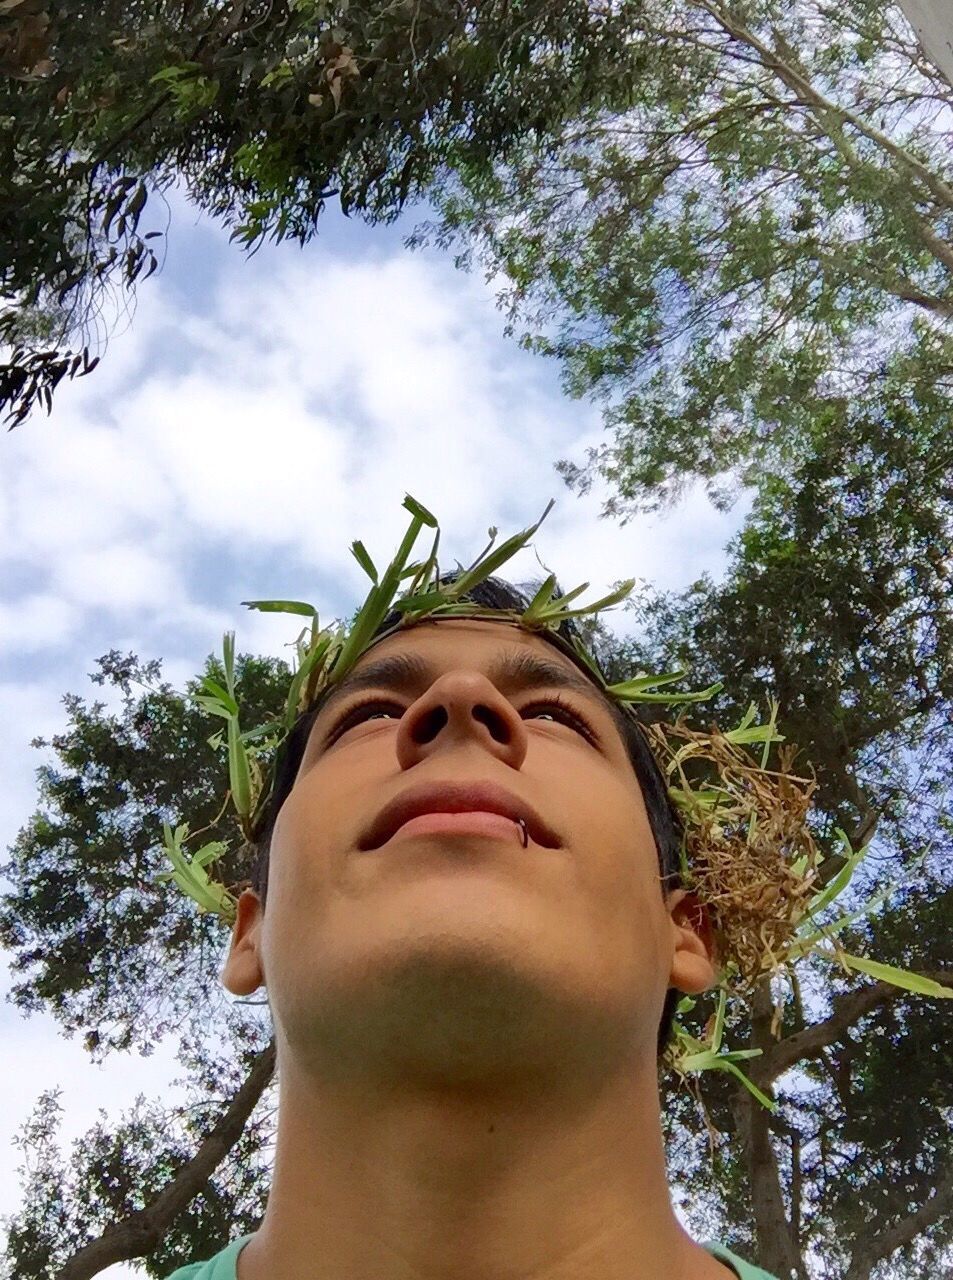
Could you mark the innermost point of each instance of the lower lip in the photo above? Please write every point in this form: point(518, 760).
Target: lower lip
point(478, 823)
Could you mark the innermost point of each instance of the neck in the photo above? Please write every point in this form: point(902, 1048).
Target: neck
point(455, 1186)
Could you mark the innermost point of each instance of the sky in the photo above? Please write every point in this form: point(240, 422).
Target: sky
point(252, 418)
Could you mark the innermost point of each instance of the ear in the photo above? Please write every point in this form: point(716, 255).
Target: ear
point(242, 973)
point(693, 958)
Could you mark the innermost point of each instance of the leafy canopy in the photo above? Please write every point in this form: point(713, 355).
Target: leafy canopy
point(763, 235)
point(263, 110)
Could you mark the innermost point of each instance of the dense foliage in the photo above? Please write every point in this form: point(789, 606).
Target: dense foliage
point(93, 936)
point(264, 110)
point(763, 236)
point(838, 601)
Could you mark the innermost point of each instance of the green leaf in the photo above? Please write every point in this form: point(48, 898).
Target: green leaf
point(425, 602)
point(542, 597)
point(806, 944)
point(675, 699)
point(496, 559)
point(843, 877)
point(750, 1086)
point(228, 653)
point(239, 773)
point(719, 1027)
point(569, 596)
point(890, 973)
point(758, 733)
point(379, 599)
point(359, 551)
point(191, 877)
point(598, 606)
point(213, 706)
point(417, 509)
point(208, 853)
point(282, 606)
point(224, 697)
point(261, 731)
point(639, 683)
point(314, 656)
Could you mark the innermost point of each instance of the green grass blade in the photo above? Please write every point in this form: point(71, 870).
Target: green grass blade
point(239, 773)
point(565, 599)
point(282, 606)
point(224, 697)
point(214, 706)
point(598, 606)
point(228, 652)
point(496, 559)
point(890, 973)
point(843, 877)
point(719, 1028)
point(638, 684)
point(359, 551)
point(420, 511)
point(674, 699)
point(542, 598)
point(749, 1085)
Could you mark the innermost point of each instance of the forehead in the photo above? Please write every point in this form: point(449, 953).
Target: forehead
point(465, 639)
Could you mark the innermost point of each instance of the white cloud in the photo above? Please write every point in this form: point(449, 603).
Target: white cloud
point(35, 623)
point(94, 486)
point(254, 467)
point(118, 576)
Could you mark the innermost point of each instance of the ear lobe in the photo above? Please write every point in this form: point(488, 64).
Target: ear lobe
point(693, 959)
point(242, 972)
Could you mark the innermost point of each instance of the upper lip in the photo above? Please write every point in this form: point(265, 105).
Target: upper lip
point(455, 797)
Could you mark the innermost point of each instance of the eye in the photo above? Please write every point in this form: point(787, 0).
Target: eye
point(554, 707)
point(560, 711)
point(362, 711)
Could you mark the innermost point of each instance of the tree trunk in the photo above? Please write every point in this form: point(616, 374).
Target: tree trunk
point(139, 1234)
point(777, 1249)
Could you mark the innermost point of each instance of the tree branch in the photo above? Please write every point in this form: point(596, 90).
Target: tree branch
point(777, 1243)
point(873, 1249)
point(848, 1009)
point(141, 1231)
point(805, 90)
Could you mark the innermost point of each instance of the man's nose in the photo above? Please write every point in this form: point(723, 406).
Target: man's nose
point(461, 707)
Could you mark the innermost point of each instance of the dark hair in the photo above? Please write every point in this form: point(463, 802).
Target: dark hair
point(494, 593)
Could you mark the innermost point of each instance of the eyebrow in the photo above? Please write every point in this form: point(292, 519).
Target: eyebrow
point(513, 671)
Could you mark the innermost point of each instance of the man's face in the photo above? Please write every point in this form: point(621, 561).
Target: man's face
point(444, 948)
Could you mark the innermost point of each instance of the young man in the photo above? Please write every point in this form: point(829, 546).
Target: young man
point(467, 944)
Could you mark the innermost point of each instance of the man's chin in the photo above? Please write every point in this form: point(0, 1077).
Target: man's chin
point(451, 1011)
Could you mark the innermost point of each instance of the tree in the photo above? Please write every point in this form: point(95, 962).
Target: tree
point(838, 602)
point(125, 961)
point(765, 234)
point(167, 1184)
point(94, 937)
point(263, 111)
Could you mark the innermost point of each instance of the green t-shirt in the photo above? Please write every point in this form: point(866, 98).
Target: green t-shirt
point(224, 1265)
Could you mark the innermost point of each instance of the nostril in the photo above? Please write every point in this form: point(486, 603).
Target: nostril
point(429, 725)
point(493, 721)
